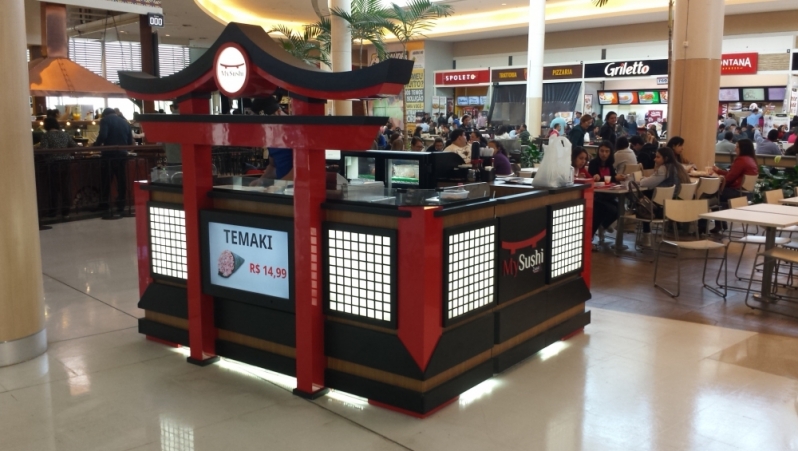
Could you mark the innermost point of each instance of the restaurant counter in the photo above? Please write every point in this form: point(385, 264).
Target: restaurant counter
point(421, 301)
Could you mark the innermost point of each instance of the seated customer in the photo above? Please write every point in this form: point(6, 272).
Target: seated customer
point(744, 164)
point(605, 209)
point(624, 156)
point(668, 172)
point(726, 146)
point(603, 164)
point(459, 145)
point(437, 146)
point(579, 157)
point(769, 146)
point(677, 145)
point(501, 161)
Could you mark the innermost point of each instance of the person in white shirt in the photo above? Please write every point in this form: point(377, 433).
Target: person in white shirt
point(514, 133)
point(424, 127)
point(459, 145)
point(624, 156)
point(503, 133)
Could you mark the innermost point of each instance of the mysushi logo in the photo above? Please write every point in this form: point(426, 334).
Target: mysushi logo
point(232, 70)
point(519, 261)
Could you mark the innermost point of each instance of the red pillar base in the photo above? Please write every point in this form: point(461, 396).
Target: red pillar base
point(420, 416)
point(206, 362)
point(311, 396)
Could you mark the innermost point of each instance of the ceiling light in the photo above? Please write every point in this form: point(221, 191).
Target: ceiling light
point(168, 35)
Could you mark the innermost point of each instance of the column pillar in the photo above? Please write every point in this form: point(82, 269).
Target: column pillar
point(695, 77)
point(149, 56)
point(341, 50)
point(22, 328)
point(534, 80)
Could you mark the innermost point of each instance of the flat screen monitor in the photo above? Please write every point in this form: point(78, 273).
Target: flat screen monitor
point(754, 94)
point(608, 98)
point(462, 101)
point(648, 97)
point(777, 94)
point(729, 95)
point(627, 98)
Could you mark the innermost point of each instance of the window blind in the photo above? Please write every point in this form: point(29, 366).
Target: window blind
point(172, 59)
point(88, 53)
point(121, 55)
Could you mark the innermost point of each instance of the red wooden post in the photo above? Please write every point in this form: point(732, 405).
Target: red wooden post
point(141, 197)
point(420, 300)
point(197, 183)
point(309, 193)
point(587, 258)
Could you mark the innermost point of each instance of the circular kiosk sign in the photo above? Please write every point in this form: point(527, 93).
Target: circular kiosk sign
point(232, 70)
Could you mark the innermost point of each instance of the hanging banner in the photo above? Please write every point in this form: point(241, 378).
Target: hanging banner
point(414, 98)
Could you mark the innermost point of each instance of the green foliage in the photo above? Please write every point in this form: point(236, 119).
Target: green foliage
point(367, 21)
point(306, 46)
point(784, 180)
point(530, 155)
point(418, 16)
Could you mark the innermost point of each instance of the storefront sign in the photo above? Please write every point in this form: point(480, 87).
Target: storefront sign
point(626, 69)
point(549, 73)
point(232, 70)
point(247, 258)
point(522, 253)
point(739, 64)
point(562, 72)
point(465, 77)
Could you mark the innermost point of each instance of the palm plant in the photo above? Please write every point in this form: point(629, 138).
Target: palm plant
point(367, 21)
point(305, 46)
point(411, 21)
point(321, 30)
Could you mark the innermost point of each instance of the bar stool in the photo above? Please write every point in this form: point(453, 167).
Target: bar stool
point(688, 211)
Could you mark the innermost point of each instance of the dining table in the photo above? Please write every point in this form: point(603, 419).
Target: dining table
point(621, 192)
point(771, 217)
point(793, 201)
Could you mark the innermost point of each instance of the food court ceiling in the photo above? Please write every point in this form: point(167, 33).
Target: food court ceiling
point(192, 21)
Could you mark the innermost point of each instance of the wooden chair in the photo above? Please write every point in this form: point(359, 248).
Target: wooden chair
point(688, 211)
point(774, 196)
point(632, 168)
point(688, 190)
point(749, 183)
point(637, 176)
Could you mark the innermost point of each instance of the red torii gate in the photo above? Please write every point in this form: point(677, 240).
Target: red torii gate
point(246, 62)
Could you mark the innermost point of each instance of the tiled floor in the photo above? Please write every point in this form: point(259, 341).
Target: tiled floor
point(632, 381)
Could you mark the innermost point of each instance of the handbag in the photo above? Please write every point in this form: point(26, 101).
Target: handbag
point(643, 205)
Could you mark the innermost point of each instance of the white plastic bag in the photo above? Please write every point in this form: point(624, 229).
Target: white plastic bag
point(555, 169)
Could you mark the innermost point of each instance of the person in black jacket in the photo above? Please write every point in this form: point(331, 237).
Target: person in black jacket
point(607, 132)
point(114, 131)
point(605, 208)
point(646, 152)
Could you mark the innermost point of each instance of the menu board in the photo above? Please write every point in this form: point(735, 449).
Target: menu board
point(473, 100)
point(247, 258)
point(607, 98)
point(462, 101)
point(627, 98)
point(483, 100)
point(753, 94)
point(729, 95)
point(663, 97)
point(648, 97)
point(777, 94)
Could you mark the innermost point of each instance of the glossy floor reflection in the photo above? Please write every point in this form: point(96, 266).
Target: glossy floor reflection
point(630, 382)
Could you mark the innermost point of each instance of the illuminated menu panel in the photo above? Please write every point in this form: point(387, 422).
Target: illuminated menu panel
point(361, 273)
point(470, 270)
point(167, 241)
point(567, 240)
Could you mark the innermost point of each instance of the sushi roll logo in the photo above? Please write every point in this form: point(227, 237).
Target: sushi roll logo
point(229, 263)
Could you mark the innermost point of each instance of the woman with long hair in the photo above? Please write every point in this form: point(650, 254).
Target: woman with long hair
point(579, 158)
point(744, 164)
point(603, 164)
point(501, 160)
point(676, 144)
point(667, 172)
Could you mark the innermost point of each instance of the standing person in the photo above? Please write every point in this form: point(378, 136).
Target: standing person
point(676, 145)
point(744, 164)
point(597, 122)
point(607, 132)
point(114, 131)
point(621, 124)
point(558, 121)
point(58, 169)
point(468, 124)
point(769, 146)
point(754, 118)
point(555, 131)
point(577, 135)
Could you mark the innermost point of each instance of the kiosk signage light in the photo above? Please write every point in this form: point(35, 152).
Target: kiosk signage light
point(168, 242)
point(232, 70)
point(471, 274)
point(567, 233)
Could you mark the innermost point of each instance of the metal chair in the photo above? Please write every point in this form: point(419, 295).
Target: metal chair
point(688, 190)
point(687, 211)
point(709, 188)
point(780, 255)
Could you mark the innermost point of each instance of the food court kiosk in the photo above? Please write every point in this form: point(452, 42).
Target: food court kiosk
point(405, 296)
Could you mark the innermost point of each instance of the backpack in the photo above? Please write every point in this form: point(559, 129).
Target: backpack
point(645, 208)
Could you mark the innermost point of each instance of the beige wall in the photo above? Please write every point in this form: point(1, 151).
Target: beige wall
point(776, 22)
